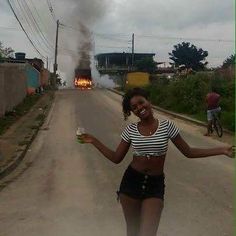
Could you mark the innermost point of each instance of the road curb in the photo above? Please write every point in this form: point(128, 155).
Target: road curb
point(176, 115)
point(20, 153)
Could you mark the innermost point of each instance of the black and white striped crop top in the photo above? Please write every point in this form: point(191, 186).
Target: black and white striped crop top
point(155, 144)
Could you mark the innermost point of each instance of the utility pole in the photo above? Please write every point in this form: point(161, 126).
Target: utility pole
point(55, 59)
point(47, 63)
point(132, 64)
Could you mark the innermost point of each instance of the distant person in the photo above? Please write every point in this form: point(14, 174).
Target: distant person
point(212, 102)
point(142, 188)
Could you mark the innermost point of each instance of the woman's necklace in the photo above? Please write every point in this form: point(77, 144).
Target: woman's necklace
point(151, 131)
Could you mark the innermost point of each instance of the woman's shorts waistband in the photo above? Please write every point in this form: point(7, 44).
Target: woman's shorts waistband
point(151, 155)
point(131, 169)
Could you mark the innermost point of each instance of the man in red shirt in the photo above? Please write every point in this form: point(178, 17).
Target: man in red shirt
point(212, 101)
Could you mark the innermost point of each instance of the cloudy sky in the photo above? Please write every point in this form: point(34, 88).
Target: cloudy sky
point(156, 24)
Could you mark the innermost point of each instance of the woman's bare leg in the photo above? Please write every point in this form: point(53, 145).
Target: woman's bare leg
point(131, 208)
point(150, 216)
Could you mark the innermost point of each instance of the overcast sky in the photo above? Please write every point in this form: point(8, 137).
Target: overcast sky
point(156, 24)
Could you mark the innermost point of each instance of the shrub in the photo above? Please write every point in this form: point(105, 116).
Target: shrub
point(187, 94)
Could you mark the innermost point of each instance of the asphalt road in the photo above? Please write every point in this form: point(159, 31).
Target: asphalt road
point(69, 188)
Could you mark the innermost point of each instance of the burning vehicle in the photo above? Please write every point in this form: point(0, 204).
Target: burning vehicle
point(83, 79)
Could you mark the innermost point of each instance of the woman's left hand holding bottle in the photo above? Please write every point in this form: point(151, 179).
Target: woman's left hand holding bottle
point(86, 138)
point(83, 137)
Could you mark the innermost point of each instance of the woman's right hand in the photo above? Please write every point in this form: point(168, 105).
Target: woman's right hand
point(86, 138)
point(229, 151)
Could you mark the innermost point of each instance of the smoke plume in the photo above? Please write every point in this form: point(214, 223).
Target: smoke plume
point(75, 36)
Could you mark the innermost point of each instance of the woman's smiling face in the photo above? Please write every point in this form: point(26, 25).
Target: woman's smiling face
point(140, 106)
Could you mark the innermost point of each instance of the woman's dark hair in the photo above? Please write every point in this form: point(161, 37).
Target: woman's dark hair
point(128, 96)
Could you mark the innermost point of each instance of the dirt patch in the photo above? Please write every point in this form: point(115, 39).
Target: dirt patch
point(20, 134)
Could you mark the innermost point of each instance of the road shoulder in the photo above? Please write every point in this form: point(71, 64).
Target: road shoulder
point(15, 142)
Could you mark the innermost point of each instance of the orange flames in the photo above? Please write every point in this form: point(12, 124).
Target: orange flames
point(82, 82)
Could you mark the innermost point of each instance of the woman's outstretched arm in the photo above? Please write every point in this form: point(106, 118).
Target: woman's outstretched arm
point(200, 152)
point(114, 156)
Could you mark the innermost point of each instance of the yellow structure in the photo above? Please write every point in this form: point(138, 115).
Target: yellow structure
point(137, 79)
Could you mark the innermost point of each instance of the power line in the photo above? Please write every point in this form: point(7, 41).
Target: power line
point(32, 28)
point(40, 18)
point(183, 38)
point(81, 30)
point(104, 46)
point(70, 27)
point(24, 30)
point(117, 34)
point(116, 37)
point(94, 33)
point(73, 51)
point(112, 38)
point(36, 26)
point(49, 45)
point(166, 37)
point(105, 36)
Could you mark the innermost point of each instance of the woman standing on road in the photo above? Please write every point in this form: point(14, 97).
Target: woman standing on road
point(141, 191)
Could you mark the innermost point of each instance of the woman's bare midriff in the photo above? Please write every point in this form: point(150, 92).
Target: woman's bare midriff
point(150, 166)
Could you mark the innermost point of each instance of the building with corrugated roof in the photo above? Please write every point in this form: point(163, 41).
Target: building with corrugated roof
point(119, 61)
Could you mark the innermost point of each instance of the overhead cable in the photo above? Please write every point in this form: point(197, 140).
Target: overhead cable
point(37, 27)
point(23, 11)
point(24, 30)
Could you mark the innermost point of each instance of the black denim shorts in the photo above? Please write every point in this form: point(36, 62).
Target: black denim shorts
point(140, 186)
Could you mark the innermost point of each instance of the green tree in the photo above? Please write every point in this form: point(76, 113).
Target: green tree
point(147, 64)
point(229, 61)
point(5, 52)
point(188, 55)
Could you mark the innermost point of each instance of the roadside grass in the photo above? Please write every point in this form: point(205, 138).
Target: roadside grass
point(119, 89)
point(226, 118)
point(40, 117)
point(23, 143)
point(33, 127)
point(20, 110)
point(201, 116)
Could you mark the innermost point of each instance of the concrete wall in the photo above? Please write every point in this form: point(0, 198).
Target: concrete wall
point(13, 86)
point(44, 77)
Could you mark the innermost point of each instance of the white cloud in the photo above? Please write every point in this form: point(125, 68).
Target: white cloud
point(173, 14)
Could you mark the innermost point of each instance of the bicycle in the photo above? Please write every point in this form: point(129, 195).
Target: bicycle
point(216, 124)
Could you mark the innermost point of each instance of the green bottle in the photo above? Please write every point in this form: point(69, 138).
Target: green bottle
point(80, 141)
